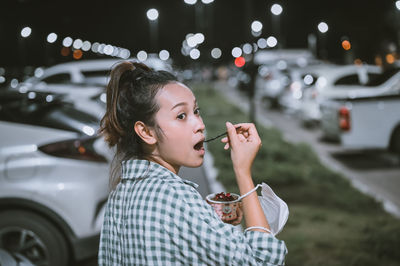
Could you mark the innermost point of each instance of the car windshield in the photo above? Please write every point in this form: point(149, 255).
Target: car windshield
point(44, 110)
point(382, 78)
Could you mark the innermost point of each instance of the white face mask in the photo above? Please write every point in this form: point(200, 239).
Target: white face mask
point(275, 209)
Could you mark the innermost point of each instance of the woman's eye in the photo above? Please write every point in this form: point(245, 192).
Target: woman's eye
point(197, 111)
point(181, 116)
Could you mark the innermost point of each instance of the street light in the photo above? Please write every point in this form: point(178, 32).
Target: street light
point(272, 41)
point(152, 15)
point(190, 2)
point(52, 37)
point(256, 26)
point(216, 53)
point(276, 10)
point(323, 28)
point(67, 42)
point(26, 32)
point(236, 52)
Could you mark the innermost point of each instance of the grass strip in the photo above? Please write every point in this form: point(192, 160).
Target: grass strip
point(330, 222)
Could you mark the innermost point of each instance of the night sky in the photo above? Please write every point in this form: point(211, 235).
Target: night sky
point(370, 26)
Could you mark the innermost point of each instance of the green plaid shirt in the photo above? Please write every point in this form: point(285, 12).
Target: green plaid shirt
point(154, 217)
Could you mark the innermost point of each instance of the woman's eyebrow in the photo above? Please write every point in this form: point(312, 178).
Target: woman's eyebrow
point(179, 104)
point(183, 103)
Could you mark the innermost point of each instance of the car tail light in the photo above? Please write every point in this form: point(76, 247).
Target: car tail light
point(79, 149)
point(344, 118)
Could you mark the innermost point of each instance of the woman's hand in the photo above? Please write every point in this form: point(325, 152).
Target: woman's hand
point(244, 143)
point(239, 214)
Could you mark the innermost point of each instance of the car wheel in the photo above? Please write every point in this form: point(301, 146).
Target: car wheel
point(25, 234)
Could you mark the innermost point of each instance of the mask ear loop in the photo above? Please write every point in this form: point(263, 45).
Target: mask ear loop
point(248, 193)
point(255, 227)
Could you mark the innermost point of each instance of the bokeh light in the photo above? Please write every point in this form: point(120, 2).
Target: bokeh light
point(77, 44)
point(236, 52)
point(190, 2)
point(26, 32)
point(141, 56)
point(240, 61)
point(194, 54)
point(256, 26)
point(262, 43)
point(67, 42)
point(52, 37)
point(272, 41)
point(164, 55)
point(276, 9)
point(323, 27)
point(86, 46)
point(346, 45)
point(216, 53)
point(390, 58)
point(65, 51)
point(77, 54)
point(247, 48)
point(152, 14)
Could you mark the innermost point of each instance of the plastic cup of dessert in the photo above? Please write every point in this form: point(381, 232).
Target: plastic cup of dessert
point(226, 210)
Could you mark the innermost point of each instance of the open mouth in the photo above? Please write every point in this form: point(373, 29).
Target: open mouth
point(199, 145)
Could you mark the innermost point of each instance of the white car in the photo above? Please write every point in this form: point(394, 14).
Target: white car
point(81, 81)
point(88, 72)
point(375, 100)
point(53, 184)
point(330, 82)
point(301, 78)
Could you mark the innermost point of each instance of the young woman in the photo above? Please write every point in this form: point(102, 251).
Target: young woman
point(153, 216)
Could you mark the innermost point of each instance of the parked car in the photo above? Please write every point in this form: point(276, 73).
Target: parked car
point(80, 81)
point(367, 104)
point(87, 72)
point(330, 81)
point(48, 110)
point(274, 72)
point(53, 180)
point(270, 84)
point(301, 78)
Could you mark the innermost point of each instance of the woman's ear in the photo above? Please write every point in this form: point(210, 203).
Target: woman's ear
point(145, 133)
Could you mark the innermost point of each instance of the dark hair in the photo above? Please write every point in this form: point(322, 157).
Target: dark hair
point(131, 95)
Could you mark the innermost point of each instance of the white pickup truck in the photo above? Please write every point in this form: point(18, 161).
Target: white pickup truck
point(364, 122)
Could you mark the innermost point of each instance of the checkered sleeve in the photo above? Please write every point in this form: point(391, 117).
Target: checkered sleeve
point(202, 238)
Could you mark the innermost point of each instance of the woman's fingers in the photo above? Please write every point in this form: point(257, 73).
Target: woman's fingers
point(242, 138)
point(231, 133)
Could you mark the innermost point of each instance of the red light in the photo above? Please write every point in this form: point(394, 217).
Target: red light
point(240, 61)
point(344, 118)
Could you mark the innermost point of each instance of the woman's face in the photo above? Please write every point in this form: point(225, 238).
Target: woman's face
point(182, 128)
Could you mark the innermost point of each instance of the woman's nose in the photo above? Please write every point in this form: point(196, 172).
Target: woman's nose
point(199, 125)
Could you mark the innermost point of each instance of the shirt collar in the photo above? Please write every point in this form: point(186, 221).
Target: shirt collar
point(139, 169)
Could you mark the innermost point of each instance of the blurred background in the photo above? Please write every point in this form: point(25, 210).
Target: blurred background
point(320, 79)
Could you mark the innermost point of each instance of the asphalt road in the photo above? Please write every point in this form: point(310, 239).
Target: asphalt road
point(376, 173)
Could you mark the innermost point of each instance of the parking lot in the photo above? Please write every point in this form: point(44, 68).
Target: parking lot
point(375, 172)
